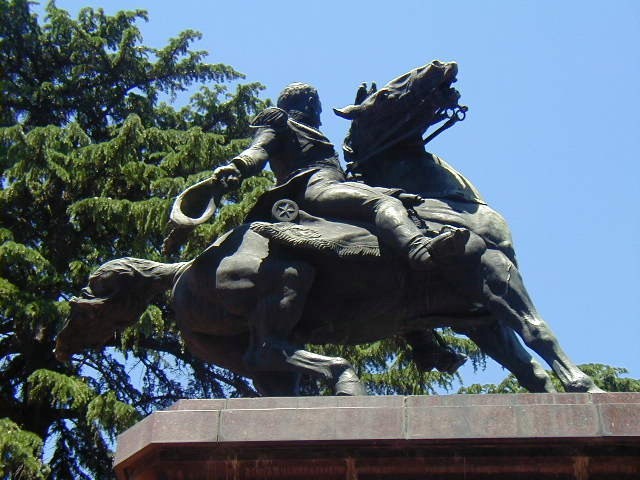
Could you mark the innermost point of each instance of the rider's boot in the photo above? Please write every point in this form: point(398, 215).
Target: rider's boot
point(423, 251)
point(396, 229)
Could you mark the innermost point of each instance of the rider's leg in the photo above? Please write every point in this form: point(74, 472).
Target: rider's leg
point(329, 197)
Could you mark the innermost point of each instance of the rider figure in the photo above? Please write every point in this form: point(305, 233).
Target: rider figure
point(288, 138)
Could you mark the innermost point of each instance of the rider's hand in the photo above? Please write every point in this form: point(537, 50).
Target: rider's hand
point(228, 174)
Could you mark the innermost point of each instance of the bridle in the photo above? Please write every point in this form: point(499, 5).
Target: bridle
point(452, 114)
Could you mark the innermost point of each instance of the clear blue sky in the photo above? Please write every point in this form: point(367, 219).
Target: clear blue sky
point(551, 139)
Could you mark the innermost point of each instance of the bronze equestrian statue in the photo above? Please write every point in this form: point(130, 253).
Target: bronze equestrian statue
point(258, 294)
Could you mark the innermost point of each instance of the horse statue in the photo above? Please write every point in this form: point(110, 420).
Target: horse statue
point(259, 293)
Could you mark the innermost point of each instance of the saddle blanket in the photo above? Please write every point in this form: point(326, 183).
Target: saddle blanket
point(323, 236)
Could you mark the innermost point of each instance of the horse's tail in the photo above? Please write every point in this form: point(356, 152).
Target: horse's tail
point(117, 294)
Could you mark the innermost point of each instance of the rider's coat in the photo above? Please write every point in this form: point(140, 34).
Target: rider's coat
point(289, 146)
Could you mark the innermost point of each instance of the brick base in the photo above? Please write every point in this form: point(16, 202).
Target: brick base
point(523, 436)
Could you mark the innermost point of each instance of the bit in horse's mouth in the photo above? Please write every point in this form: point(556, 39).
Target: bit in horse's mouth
point(450, 76)
point(447, 94)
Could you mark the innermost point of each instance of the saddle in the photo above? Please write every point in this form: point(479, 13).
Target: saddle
point(276, 216)
point(301, 230)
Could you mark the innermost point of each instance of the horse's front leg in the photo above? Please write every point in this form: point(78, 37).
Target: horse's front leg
point(506, 297)
point(284, 287)
point(501, 344)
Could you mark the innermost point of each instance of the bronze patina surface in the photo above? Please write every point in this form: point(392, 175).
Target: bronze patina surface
point(400, 246)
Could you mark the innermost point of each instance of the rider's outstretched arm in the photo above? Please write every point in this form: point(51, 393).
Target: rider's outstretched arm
point(252, 160)
point(271, 127)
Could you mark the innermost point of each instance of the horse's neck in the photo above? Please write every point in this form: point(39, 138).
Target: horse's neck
point(408, 166)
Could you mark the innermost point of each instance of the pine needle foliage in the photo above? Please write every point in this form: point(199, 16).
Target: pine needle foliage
point(91, 161)
point(608, 378)
point(386, 367)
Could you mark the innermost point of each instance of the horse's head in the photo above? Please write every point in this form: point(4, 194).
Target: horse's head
point(404, 107)
point(109, 303)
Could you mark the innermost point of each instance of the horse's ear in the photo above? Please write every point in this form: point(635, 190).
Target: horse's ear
point(361, 94)
point(349, 112)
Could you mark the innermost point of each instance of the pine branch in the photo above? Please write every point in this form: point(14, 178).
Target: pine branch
point(176, 350)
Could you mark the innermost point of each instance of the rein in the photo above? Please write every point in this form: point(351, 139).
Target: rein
point(454, 115)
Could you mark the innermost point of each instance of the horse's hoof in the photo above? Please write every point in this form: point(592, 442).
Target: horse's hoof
point(349, 384)
point(350, 389)
point(596, 389)
point(583, 385)
point(453, 363)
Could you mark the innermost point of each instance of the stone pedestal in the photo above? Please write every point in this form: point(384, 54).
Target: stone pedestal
point(523, 436)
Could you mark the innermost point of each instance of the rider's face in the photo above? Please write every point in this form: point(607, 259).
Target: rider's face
point(313, 110)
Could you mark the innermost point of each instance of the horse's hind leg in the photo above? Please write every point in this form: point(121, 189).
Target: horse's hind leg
point(429, 351)
point(503, 346)
point(284, 357)
point(277, 312)
point(229, 352)
point(276, 384)
point(507, 298)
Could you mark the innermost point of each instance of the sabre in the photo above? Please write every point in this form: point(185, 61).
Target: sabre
point(193, 207)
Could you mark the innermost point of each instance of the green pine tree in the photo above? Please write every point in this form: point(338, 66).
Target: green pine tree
point(91, 160)
point(90, 163)
point(608, 378)
point(387, 367)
